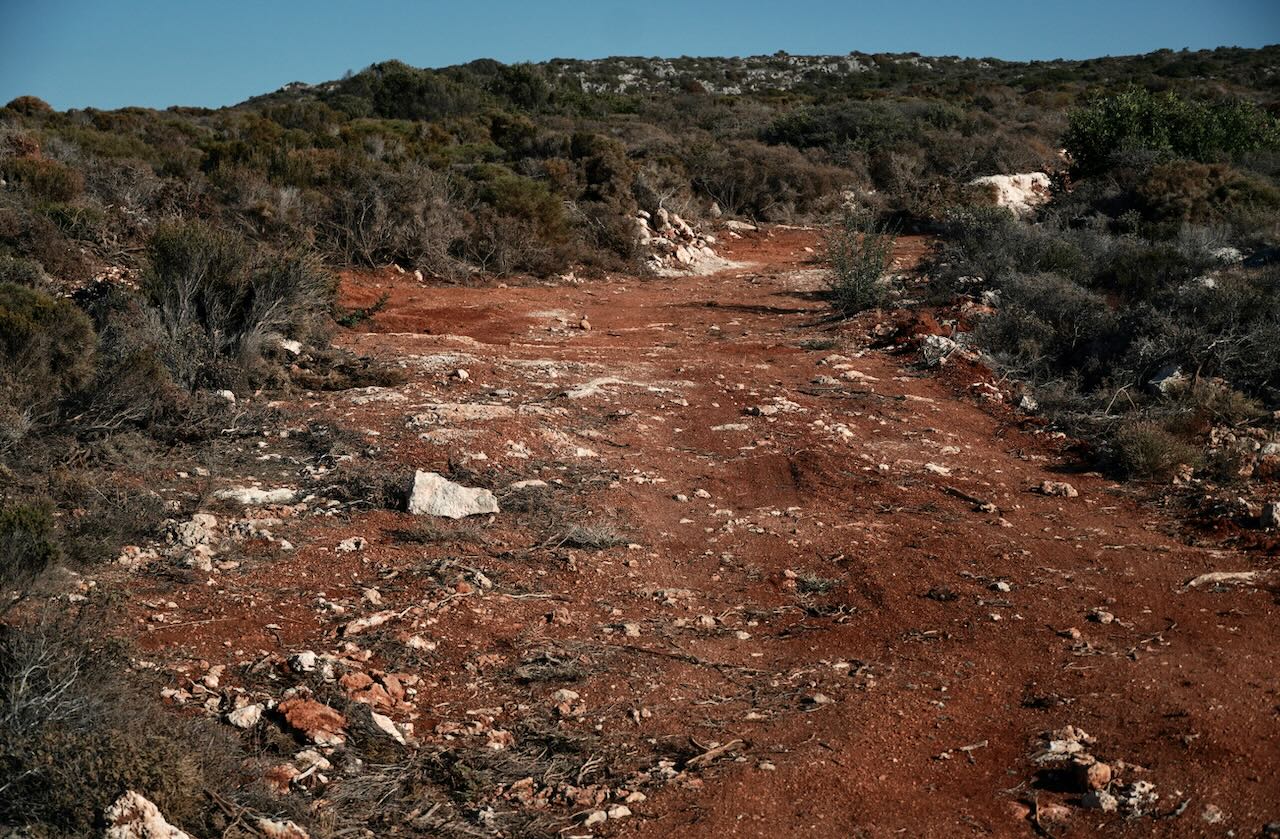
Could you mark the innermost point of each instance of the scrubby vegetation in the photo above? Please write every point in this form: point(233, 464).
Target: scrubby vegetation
point(151, 261)
point(148, 258)
point(78, 729)
point(1128, 303)
point(859, 252)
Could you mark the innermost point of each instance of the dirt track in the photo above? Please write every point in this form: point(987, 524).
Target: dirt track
point(824, 551)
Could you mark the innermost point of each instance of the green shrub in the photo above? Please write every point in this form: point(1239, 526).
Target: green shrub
point(46, 348)
point(27, 543)
point(1167, 125)
point(859, 252)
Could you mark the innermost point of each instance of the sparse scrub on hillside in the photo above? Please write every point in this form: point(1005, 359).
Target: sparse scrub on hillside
point(1127, 304)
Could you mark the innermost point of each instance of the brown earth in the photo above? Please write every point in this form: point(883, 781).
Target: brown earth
point(833, 549)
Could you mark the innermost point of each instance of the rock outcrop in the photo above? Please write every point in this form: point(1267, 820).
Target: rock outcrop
point(1021, 194)
point(674, 246)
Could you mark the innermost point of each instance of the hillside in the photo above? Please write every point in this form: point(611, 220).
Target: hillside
point(831, 446)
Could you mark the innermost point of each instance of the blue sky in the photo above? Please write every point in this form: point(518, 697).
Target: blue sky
point(156, 53)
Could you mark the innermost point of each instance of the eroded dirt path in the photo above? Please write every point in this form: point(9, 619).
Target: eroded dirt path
point(798, 570)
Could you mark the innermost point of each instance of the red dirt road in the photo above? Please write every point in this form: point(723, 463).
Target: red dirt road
point(803, 575)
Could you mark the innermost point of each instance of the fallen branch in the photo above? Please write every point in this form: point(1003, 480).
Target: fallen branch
point(711, 754)
point(980, 505)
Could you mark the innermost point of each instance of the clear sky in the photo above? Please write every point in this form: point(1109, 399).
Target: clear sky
point(156, 53)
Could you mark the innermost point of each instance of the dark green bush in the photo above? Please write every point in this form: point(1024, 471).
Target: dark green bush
point(1167, 125)
point(28, 544)
point(46, 348)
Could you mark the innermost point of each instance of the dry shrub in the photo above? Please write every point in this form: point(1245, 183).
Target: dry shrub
point(46, 348)
point(1147, 451)
point(219, 301)
point(45, 180)
point(27, 544)
point(78, 729)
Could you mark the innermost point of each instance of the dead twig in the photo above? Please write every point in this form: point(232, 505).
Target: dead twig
point(711, 754)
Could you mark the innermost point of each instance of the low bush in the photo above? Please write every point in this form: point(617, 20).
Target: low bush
point(46, 348)
point(1148, 451)
point(27, 543)
point(19, 271)
point(859, 252)
point(45, 180)
point(78, 728)
point(1181, 192)
point(218, 301)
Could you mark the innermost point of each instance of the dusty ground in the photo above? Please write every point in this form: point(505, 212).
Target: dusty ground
point(808, 584)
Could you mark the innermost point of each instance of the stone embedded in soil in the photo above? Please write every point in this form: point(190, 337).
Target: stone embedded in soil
point(1061, 489)
point(433, 494)
point(246, 717)
point(273, 829)
point(355, 543)
point(1100, 799)
point(359, 625)
point(321, 724)
point(199, 530)
point(253, 496)
point(1092, 774)
point(387, 727)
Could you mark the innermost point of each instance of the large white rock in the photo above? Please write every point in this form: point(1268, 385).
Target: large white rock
point(132, 816)
point(1020, 193)
point(199, 531)
point(433, 494)
point(251, 496)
